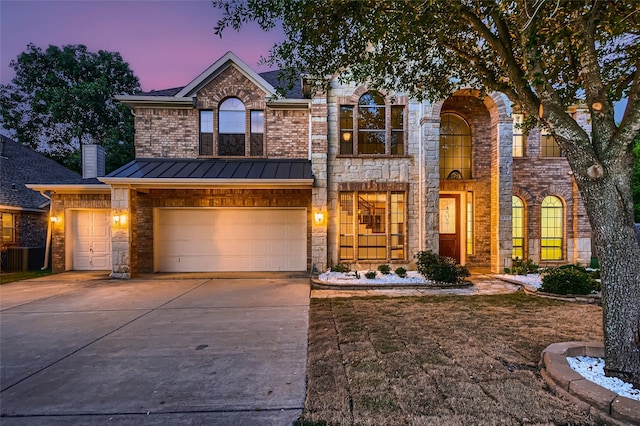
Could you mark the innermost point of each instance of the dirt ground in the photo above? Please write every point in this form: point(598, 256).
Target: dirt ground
point(440, 360)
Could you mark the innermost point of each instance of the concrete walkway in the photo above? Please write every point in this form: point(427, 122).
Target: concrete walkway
point(482, 285)
point(80, 349)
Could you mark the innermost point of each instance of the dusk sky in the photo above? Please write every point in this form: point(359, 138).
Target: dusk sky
point(166, 43)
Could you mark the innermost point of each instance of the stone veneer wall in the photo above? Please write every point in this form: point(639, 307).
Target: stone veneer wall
point(174, 132)
point(30, 228)
point(203, 198)
point(62, 203)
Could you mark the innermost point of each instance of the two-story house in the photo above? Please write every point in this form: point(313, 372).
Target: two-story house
point(228, 176)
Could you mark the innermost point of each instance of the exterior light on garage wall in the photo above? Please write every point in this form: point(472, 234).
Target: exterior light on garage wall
point(54, 219)
point(318, 217)
point(120, 219)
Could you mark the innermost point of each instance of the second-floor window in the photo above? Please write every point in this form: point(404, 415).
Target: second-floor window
point(372, 127)
point(206, 132)
point(257, 133)
point(231, 127)
point(455, 147)
point(519, 137)
point(548, 145)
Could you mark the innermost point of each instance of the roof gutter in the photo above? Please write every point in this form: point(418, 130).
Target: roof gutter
point(157, 101)
point(86, 189)
point(169, 183)
point(47, 242)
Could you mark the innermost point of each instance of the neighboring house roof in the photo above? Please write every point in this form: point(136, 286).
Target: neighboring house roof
point(20, 165)
point(211, 172)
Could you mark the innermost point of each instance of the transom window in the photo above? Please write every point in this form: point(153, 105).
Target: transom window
point(372, 127)
point(372, 226)
point(519, 137)
point(455, 147)
point(517, 228)
point(8, 228)
point(552, 221)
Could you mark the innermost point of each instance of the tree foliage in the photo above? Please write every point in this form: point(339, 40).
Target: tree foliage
point(543, 55)
point(61, 98)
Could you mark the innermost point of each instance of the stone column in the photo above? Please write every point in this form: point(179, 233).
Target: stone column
point(320, 212)
point(122, 209)
point(430, 128)
point(501, 193)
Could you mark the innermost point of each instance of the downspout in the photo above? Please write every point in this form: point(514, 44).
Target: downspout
point(47, 243)
point(420, 183)
point(310, 129)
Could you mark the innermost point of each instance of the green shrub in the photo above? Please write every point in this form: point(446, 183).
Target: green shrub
point(439, 268)
point(401, 272)
point(568, 279)
point(340, 268)
point(523, 267)
point(384, 269)
point(370, 275)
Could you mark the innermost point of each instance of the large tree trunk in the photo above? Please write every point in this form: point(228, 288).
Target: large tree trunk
point(606, 201)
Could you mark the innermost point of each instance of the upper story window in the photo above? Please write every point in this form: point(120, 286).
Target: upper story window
point(206, 132)
point(372, 127)
point(8, 228)
point(519, 137)
point(455, 147)
point(548, 145)
point(231, 127)
point(256, 147)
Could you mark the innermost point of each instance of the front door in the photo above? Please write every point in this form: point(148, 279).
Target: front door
point(450, 226)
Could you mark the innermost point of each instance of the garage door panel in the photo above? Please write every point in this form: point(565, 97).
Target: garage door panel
point(198, 240)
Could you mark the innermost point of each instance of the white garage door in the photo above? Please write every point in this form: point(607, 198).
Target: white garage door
point(203, 240)
point(91, 234)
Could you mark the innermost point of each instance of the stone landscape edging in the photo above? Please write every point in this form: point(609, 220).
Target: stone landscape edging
point(593, 299)
point(317, 283)
point(598, 401)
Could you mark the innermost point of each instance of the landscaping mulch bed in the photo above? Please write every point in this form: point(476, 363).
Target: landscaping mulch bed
point(440, 360)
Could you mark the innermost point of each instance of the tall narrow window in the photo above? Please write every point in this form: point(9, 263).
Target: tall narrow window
point(372, 226)
point(397, 130)
point(346, 129)
point(517, 228)
point(552, 218)
point(518, 135)
point(8, 228)
point(371, 124)
point(231, 127)
point(455, 147)
point(548, 145)
point(257, 133)
point(470, 222)
point(206, 132)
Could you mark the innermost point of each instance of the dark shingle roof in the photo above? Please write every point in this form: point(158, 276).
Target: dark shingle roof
point(294, 92)
point(163, 168)
point(20, 165)
point(165, 92)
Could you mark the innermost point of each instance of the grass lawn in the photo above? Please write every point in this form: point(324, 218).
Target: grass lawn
point(9, 277)
point(461, 360)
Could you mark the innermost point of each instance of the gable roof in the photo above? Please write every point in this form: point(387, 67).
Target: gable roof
point(20, 165)
point(184, 97)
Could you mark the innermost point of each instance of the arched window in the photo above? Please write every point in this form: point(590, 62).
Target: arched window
point(373, 126)
point(455, 147)
point(552, 226)
point(517, 228)
point(231, 127)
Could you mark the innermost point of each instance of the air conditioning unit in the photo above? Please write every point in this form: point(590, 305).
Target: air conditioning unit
point(25, 258)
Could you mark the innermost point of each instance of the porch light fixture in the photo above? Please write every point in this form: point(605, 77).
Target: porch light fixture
point(120, 219)
point(54, 219)
point(318, 217)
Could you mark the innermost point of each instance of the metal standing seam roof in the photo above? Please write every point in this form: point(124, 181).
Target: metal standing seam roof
point(164, 168)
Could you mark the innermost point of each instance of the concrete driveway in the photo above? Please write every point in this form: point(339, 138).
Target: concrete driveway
point(78, 349)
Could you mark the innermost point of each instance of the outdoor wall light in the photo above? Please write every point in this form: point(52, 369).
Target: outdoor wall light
point(120, 219)
point(318, 217)
point(54, 219)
